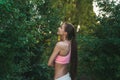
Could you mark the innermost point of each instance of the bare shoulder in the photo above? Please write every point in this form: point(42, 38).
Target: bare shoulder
point(61, 44)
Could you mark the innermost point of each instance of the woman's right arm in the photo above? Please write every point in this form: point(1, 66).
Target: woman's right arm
point(54, 54)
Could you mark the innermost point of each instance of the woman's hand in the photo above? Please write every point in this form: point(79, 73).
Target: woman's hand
point(51, 64)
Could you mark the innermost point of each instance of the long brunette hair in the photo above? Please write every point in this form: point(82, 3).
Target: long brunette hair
point(69, 28)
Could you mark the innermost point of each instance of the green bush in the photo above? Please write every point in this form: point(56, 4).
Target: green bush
point(99, 53)
point(25, 27)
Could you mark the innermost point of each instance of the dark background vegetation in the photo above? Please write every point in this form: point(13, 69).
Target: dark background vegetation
point(28, 34)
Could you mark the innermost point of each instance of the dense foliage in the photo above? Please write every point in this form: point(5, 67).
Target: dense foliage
point(100, 51)
point(28, 34)
point(25, 27)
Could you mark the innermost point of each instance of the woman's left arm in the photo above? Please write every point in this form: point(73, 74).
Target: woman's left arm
point(54, 54)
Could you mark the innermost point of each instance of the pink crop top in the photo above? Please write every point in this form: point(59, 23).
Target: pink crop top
point(63, 59)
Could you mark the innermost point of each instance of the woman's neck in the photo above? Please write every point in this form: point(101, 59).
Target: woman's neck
point(63, 38)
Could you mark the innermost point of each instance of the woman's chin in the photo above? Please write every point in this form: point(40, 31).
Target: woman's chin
point(58, 33)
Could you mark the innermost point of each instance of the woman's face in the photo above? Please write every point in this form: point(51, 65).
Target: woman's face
point(61, 30)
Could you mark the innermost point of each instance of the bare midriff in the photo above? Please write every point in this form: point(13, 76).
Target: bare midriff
point(60, 70)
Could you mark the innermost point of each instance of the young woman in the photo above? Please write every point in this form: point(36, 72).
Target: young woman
point(65, 52)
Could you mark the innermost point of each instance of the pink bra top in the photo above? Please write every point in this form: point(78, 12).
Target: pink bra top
point(63, 59)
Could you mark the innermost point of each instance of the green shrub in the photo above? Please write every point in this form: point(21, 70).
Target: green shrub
point(25, 27)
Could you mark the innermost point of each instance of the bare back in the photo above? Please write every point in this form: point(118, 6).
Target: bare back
point(62, 69)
